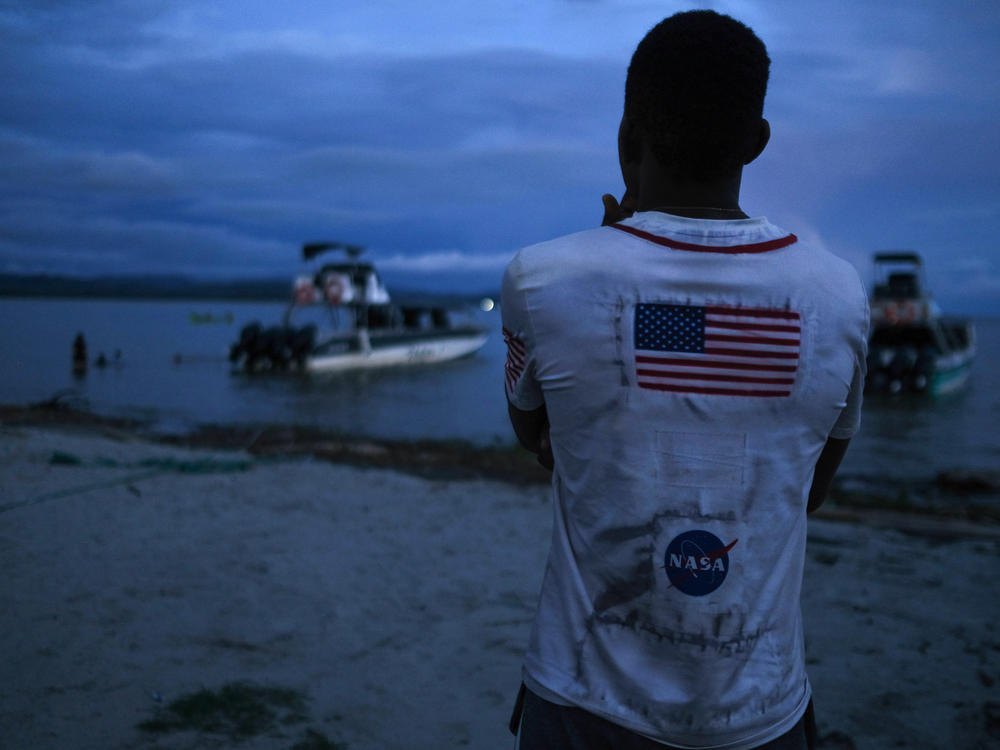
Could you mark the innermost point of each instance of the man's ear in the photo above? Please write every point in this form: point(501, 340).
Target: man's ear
point(763, 136)
point(629, 143)
point(629, 154)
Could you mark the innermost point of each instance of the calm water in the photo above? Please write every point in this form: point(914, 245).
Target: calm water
point(462, 399)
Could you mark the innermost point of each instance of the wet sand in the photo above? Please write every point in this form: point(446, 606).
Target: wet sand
point(136, 572)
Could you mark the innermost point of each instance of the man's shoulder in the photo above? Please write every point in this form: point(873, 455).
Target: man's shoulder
point(836, 274)
point(568, 243)
point(830, 261)
point(561, 254)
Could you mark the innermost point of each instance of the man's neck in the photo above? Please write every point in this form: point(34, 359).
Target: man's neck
point(710, 199)
point(703, 212)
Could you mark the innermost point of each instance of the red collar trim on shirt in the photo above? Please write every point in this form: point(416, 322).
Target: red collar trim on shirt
point(756, 247)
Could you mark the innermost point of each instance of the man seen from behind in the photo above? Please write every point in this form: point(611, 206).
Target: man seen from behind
point(692, 375)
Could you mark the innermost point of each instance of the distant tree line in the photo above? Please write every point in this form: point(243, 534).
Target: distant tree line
point(141, 287)
point(185, 288)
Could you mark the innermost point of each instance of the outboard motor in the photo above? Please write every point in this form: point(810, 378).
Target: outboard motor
point(275, 347)
point(259, 351)
point(900, 369)
point(245, 343)
point(876, 379)
point(923, 370)
point(301, 344)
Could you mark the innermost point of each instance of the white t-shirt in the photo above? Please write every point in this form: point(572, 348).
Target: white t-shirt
point(692, 371)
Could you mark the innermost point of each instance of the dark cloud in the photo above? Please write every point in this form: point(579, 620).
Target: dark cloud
point(405, 154)
point(149, 136)
point(103, 26)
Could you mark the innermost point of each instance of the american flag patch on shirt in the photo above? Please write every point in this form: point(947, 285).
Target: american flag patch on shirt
point(516, 355)
point(715, 350)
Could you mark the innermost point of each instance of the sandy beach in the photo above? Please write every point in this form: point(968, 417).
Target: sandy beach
point(396, 607)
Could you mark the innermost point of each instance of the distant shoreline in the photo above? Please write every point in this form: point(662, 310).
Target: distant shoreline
point(945, 506)
point(142, 287)
point(182, 288)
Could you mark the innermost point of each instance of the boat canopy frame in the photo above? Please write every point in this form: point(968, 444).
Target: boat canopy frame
point(898, 256)
point(898, 274)
point(311, 249)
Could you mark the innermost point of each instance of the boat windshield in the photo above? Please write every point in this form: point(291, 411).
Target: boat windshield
point(900, 285)
point(914, 336)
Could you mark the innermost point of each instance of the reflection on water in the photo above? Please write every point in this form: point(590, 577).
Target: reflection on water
point(900, 437)
point(446, 400)
point(911, 436)
point(175, 373)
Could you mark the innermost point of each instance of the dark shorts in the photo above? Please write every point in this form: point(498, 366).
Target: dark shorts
point(549, 726)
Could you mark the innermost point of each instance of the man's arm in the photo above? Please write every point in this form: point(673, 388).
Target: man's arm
point(830, 458)
point(532, 430)
point(532, 427)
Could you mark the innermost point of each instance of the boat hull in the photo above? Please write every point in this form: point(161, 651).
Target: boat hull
point(952, 376)
point(373, 333)
point(912, 347)
point(931, 358)
point(393, 351)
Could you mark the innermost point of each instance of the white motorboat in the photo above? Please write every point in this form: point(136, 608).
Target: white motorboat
point(912, 346)
point(341, 318)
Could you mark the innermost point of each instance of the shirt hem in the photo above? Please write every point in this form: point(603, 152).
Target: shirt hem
point(743, 743)
point(843, 434)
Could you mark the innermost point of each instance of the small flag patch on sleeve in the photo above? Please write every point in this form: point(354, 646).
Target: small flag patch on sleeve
point(516, 356)
point(717, 350)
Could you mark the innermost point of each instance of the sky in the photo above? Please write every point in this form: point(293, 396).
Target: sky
point(213, 139)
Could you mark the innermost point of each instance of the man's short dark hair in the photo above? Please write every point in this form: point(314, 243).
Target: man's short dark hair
point(695, 90)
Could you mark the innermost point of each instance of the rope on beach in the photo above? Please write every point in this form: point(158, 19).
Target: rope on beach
point(152, 466)
point(182, 466)
point(79, 490)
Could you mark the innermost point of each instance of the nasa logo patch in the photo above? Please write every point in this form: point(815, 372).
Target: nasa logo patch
point(697, 562)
